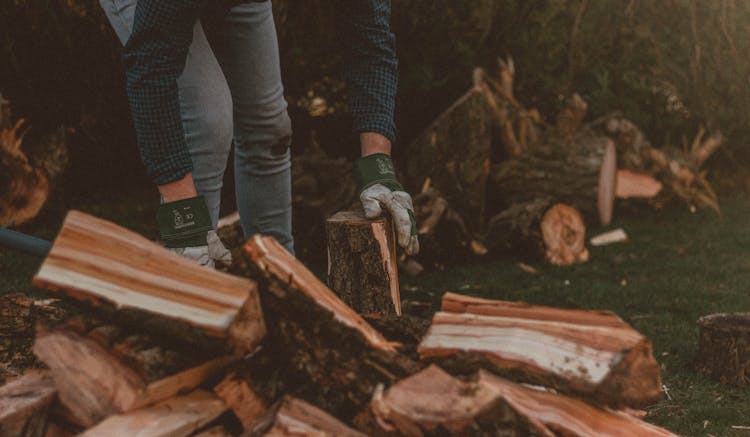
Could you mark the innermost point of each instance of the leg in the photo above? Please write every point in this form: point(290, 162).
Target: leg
point(245, 44)
point(205, 105)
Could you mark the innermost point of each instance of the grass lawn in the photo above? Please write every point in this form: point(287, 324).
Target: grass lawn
point(676, 267)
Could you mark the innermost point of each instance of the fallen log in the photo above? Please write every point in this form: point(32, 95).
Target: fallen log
point(295, 417)
point(24, 405)
point(454, 153)
point(174, 417)
point(540, 229)
point(724, 348)
point(103, 370)
point(143, 285)
point(587, 353)
point(580, 172)
point(318, 348)
point(433, 402)
point(362, 264)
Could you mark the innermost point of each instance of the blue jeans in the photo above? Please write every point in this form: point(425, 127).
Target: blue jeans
point(231, 90)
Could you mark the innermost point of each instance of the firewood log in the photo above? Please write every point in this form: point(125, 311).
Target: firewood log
point(454, 152)
point(318, 348)
point(724, 348)
point(433, 402)
point(102, 370)
point(295, 417)
point(589, 353)
point(580, 172)
point(362, 264)
point(24, 405)
point(540, 229)
point(240, 397)
point(145, 286)
point(174, 417)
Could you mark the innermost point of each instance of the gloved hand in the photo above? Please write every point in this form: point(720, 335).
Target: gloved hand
point(185, 227)
point(378, 189)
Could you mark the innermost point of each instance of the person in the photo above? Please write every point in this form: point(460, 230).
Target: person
point(202, 74)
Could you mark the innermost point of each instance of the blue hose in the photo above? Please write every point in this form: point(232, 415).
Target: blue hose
point(25, 243)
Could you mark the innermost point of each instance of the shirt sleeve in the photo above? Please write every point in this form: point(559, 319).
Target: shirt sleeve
point(371, 64)
point(154, 58)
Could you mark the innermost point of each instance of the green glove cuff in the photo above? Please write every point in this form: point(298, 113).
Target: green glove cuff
point(184, 223)
point(376, 169)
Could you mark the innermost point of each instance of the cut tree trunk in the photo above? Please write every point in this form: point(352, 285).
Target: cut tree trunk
point(454, 152)
point(580, 172)
point(362, 264)
point(724, 352)
point(587, 353)
point(151, 288)
point(24, 405)
point(538, 229)
point(295, 417)
point(318, 348)
point(175, 417)
point(104, 371)
point(433, 402)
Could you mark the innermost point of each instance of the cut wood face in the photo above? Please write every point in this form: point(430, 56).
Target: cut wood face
point(175, 417)
point(591, 353)
point(636, 185)
point(270, 256)
point(564, 236)
point(607, 183)
point(96, 260)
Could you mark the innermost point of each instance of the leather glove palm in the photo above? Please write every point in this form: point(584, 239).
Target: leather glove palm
point(185, 227)
point(378, 187)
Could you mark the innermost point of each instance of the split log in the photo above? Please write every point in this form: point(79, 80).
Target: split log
point(434, 403)
point(295, 417)
point(588, 353)
point(175, 417)
point(362, 264)
point(108, 372)
point(216, 431)
point(454, 152)
point(724, 347)
point(151, 288)
point(24, 405)
point(581, 173)
point(538, 229)
point(318, 348)
point(636, 185)
point(237, 394)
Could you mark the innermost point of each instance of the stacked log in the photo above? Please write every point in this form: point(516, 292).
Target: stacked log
point(321, 368)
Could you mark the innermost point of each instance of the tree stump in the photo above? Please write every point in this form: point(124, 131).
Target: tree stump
point(724, 351)
point(362, 265)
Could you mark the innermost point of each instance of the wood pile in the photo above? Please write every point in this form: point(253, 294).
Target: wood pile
point(317, 367)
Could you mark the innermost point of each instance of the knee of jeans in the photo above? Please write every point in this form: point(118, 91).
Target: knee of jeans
point(265, 149)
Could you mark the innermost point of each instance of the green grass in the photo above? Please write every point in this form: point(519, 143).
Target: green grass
point(676, 267)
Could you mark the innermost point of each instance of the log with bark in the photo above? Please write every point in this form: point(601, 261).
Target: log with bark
point(24, 405)
point(454, 153)
point(724, 347)
point(433, 402)
point(362, 264)
point(101, 369)
point(143, 285)
point(588, 353)
point(175, 417)
point(317, 348)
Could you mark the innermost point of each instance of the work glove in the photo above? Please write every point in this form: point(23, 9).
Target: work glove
point(378, 189)
point(185, 227)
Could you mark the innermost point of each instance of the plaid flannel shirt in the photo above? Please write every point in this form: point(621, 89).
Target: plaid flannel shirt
point(155, 56)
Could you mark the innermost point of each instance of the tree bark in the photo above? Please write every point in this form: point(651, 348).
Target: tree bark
point(362, 264)
point(581, 173)
point(143, 285)
point(724, 351)
point(454, 152)
point(571, 351)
